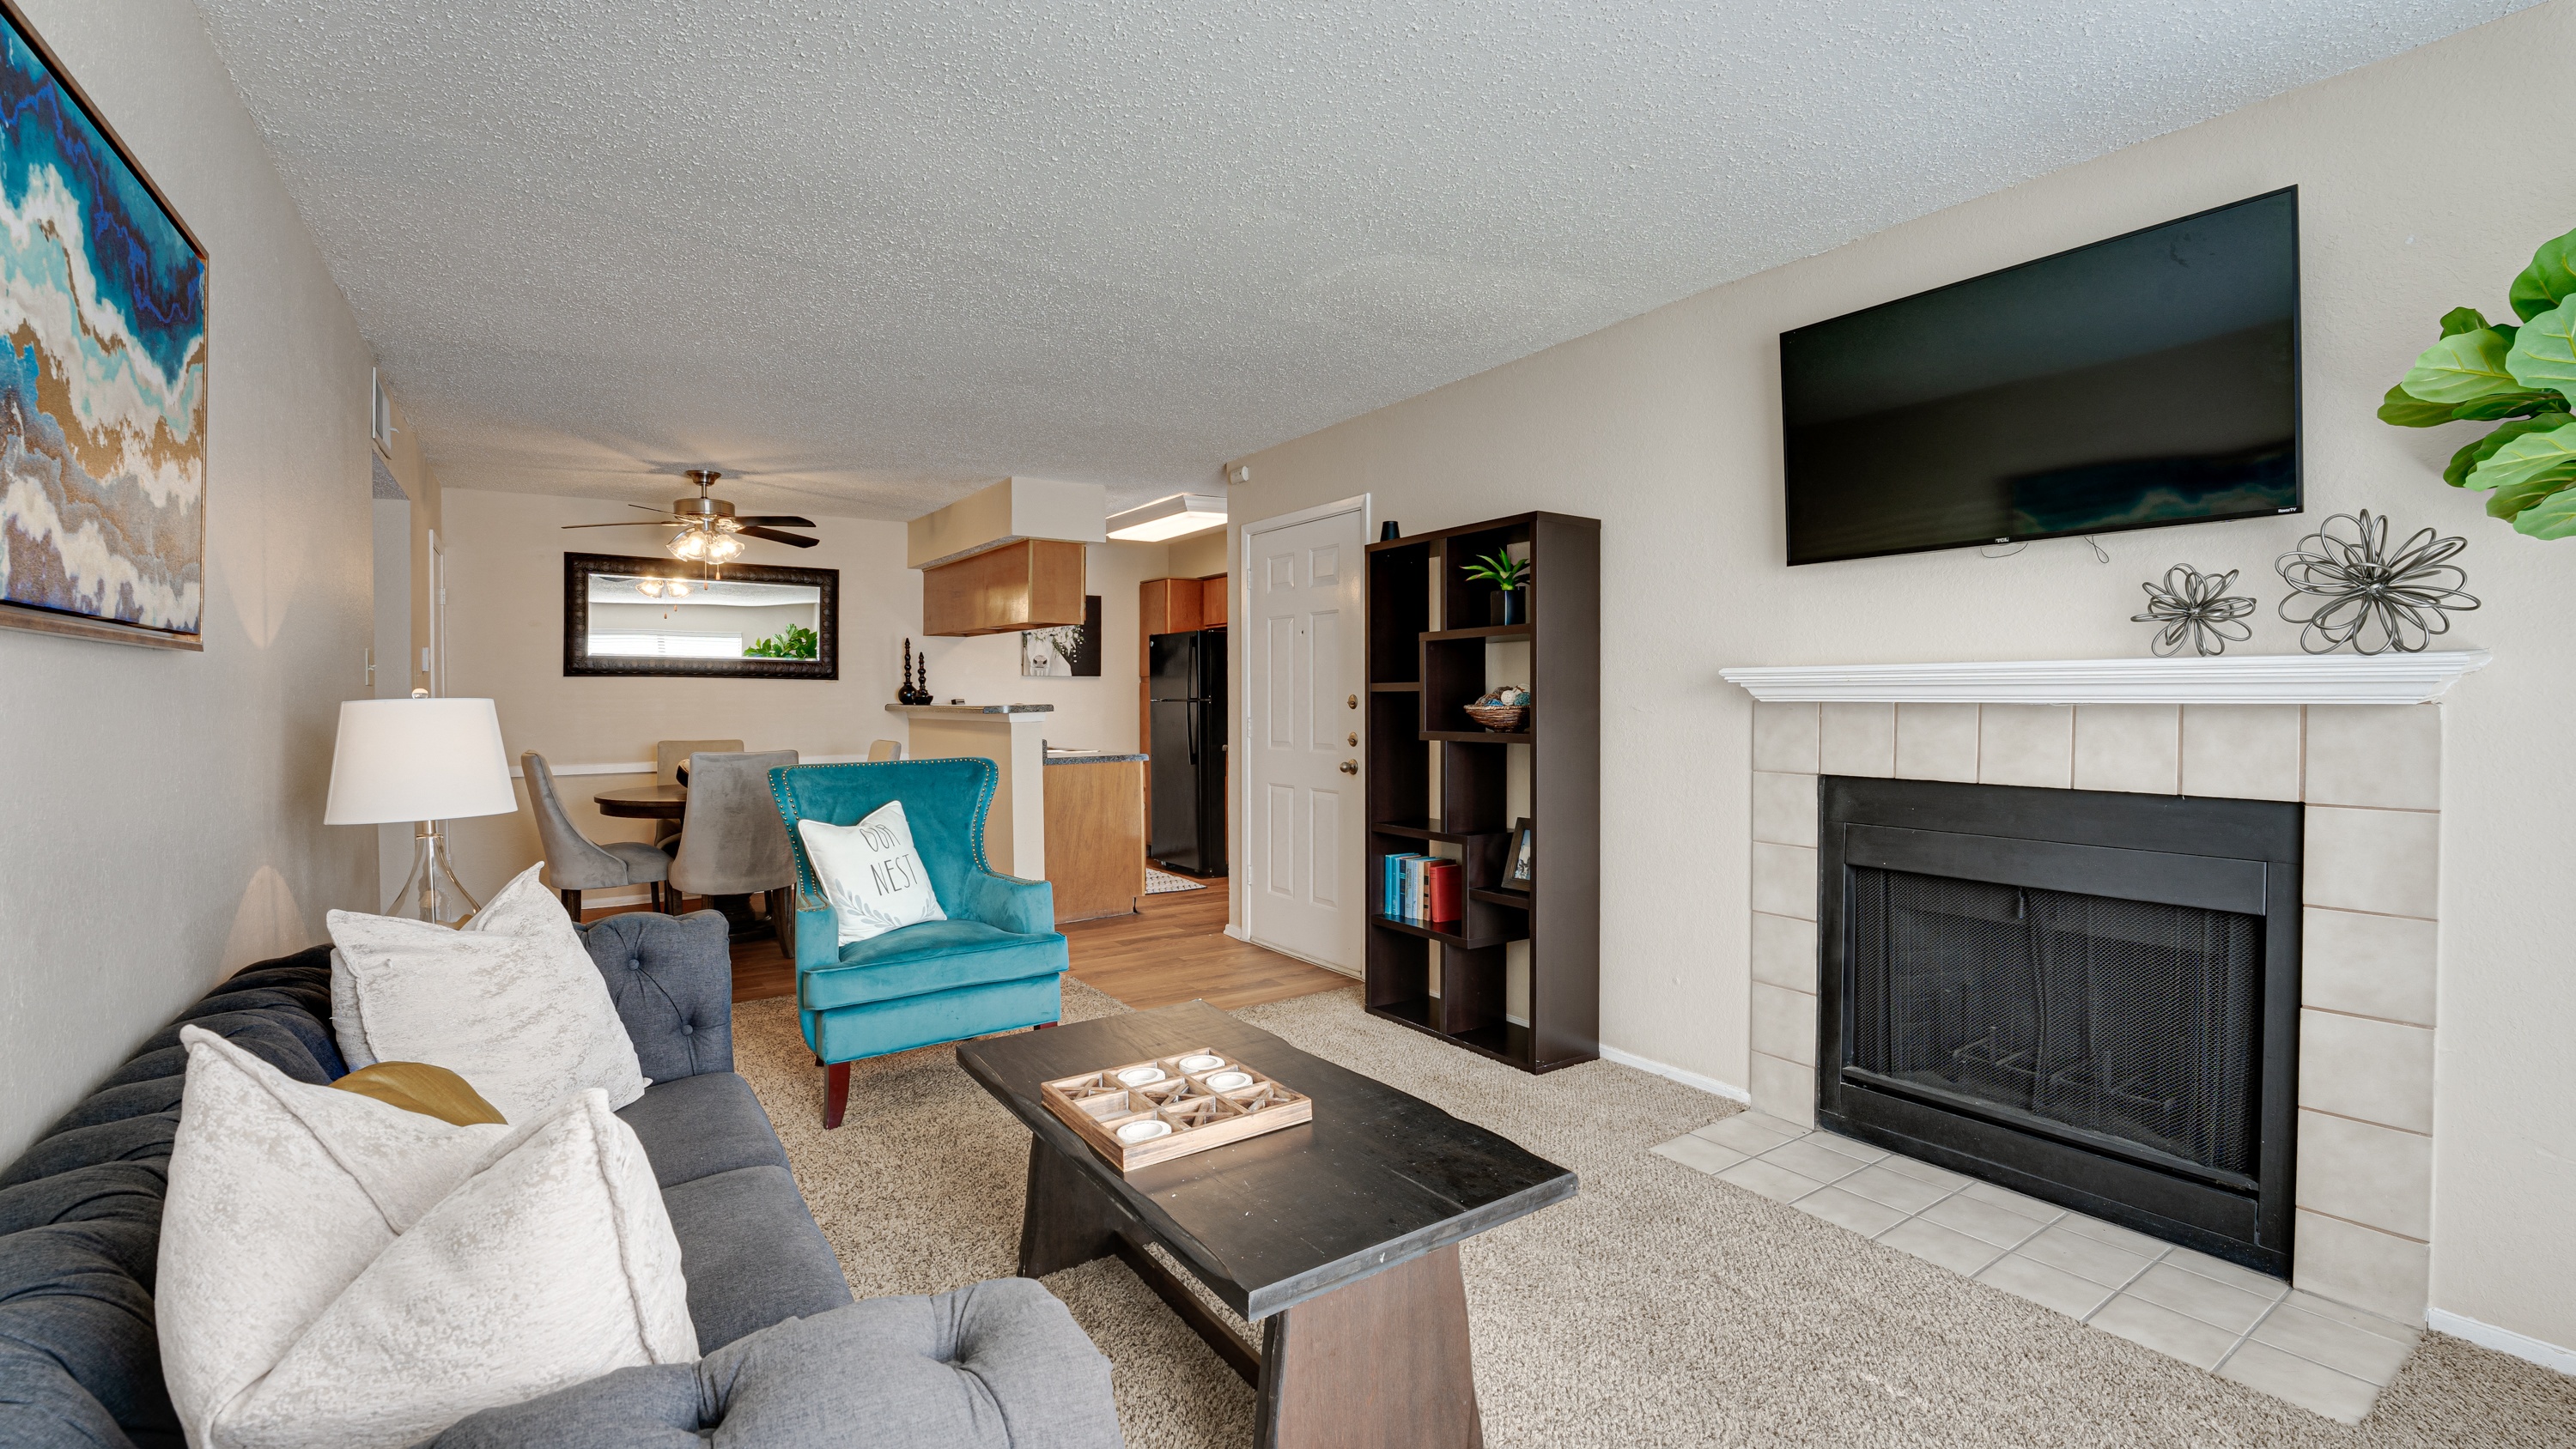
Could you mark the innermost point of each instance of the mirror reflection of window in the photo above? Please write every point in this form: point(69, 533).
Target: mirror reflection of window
point(633, 616)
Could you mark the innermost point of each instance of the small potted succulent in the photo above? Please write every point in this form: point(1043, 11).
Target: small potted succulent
point(1510, 577)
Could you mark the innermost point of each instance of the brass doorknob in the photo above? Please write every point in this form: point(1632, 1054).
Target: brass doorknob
point(1350, 767)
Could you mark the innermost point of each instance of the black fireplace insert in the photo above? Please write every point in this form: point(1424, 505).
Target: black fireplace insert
point(2088, 997)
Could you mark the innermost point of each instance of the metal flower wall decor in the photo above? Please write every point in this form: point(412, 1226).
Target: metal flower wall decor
point(2196, 610)
point(2351, 588)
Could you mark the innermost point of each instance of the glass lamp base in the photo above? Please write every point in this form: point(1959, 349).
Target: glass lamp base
point(433, 893)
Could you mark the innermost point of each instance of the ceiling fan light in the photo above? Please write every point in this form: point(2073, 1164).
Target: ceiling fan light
point(690, 545)
point(679, 588)
point(723, 548)
point(1168, 518)
point(649, 588)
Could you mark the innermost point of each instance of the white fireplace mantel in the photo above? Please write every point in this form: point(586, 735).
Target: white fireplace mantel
point(2259, 679)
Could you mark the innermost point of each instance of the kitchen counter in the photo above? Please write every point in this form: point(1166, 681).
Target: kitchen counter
point(935, 709)
point(1013, 737)
point(1095, 835)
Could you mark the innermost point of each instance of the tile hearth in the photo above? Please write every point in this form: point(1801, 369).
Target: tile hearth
point(2241, 1325)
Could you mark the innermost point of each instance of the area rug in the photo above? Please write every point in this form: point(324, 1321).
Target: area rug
point(1660, 1307)
point(1163, 882)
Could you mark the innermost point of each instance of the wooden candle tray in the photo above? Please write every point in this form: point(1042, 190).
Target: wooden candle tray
point(1096, 1104)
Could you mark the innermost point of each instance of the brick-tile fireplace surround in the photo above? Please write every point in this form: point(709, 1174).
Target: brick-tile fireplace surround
point(2358, 742)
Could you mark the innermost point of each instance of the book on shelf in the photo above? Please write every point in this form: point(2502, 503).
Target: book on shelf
point(1392, 898)
point(1444, 891)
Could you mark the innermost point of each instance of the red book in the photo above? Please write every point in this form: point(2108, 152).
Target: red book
point(1445, 884)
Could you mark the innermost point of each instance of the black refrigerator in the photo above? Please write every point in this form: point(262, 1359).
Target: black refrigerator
point(1186, 695)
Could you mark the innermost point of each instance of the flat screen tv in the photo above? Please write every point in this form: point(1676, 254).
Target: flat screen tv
point(2146, 380)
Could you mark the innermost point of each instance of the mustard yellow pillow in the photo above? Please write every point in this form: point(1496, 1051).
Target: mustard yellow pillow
point(420, 1087)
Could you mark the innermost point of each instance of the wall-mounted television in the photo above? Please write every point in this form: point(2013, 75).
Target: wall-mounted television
point(2147, 380)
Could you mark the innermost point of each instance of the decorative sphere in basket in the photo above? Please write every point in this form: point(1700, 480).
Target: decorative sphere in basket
point(1501, 709)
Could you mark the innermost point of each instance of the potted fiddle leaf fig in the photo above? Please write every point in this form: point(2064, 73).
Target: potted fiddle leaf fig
point(1508, 574)
point(2518, 375)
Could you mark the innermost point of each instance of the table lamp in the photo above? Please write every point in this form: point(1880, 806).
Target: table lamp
point(427, 761)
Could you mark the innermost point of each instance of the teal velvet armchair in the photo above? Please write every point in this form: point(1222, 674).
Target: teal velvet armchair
point(994, 965)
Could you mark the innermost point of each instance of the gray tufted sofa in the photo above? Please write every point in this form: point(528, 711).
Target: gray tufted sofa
point(790, 1360)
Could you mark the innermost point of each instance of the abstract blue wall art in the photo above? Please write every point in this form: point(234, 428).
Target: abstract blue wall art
point(103, 379)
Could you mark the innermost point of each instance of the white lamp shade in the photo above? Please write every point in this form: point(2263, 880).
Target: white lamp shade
point(418, 759)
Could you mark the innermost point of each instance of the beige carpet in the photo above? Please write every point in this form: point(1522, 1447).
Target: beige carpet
point(1660, 1307)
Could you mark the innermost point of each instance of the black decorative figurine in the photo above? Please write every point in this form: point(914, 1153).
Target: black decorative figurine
point(908, 693)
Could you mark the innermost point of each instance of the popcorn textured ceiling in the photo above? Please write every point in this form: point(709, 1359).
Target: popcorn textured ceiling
point(870, 257)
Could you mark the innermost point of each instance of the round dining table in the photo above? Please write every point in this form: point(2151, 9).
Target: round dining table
point(644, 802)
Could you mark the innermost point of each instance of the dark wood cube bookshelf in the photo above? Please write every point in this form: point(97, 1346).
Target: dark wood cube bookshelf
point(1420, 680)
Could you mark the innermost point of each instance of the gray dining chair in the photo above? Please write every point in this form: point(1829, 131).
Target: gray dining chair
point(884, 750)
point(733, 841)
point(574, 861)
point(668, 757)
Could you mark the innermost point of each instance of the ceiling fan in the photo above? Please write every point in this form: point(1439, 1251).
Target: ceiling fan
point(708, 530)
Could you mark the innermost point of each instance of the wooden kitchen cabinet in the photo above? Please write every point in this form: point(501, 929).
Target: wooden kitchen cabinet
point(1212, 601)
point(1036, 583)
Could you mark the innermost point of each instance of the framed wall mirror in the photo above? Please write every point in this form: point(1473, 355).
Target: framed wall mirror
point(662, 616)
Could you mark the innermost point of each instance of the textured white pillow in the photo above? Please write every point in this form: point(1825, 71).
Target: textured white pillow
point(870, 873)
point(336, 1271)
point(346, 1025)
point(511, 1003)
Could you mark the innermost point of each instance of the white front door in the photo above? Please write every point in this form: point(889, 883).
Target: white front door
point(1302, 672)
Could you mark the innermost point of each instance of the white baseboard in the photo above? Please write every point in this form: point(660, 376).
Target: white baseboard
point(1237, 932)
point(2503, 1340)
point(1710, 1085)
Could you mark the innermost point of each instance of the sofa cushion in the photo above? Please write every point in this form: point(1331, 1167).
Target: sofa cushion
point(751, 1253)
point(997, 1365)
point(671, 980)
point(931, 956)
point(702, 1125)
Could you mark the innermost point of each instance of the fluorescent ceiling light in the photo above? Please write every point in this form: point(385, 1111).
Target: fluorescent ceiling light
point(1168, 518)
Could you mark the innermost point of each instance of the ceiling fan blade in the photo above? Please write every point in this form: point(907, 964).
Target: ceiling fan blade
point(774, 536)
point(777, 520)
point(638, 523)
point(663, 511)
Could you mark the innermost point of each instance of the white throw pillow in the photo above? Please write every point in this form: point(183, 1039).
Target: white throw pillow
point(870, 873)
point(346, 1025)
point(511, 1003)
point(336, 1271)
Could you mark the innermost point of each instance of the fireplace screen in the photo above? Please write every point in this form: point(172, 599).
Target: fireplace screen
point(2119, 1019)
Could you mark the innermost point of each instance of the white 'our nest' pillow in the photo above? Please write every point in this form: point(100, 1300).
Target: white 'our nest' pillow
point(511, 1002)
point(870, 873)
point(339, 1273)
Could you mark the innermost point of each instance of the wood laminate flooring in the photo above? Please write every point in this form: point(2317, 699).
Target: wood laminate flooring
point(1174, 950)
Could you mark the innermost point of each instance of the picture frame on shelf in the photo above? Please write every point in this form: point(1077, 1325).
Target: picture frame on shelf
point(1520, 862)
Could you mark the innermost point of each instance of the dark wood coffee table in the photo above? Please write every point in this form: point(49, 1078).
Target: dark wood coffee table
point(1339, 1236)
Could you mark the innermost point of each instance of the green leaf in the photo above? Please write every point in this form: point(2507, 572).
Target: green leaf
point(2549, 280)
point(2507, 502)
point(2461, 367)
point(2544, 352)
point(2402, 409)
point(2527, 456)
point(2484, 448)
point(2509, 405)
point(2552, 517)
point(2462, 319)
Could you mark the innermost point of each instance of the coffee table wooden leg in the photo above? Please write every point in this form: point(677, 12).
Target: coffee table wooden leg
point(1067, 1219)
point(1376, 1364)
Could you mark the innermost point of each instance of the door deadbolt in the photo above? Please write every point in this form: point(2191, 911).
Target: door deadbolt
point(1350, 767)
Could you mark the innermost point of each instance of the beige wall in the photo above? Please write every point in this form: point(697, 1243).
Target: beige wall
point(505, 621)
point(1199, 554)
point(163, 819)
point(1667, 428)
point(412, 472)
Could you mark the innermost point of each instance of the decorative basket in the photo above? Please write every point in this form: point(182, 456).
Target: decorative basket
point(1498, 716)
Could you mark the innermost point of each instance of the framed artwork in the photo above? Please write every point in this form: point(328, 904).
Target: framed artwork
point(627, 616)
point(1066, 652)
point(1520, 862)
point(103, 384)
